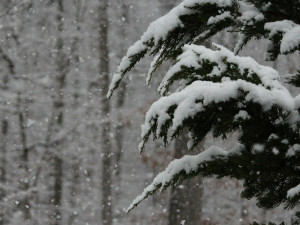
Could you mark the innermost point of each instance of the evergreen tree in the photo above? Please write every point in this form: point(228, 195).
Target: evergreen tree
point(220, 92)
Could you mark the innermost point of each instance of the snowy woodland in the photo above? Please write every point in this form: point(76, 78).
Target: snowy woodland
point(69, 155)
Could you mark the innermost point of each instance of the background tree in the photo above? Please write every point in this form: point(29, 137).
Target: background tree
point(105, 114)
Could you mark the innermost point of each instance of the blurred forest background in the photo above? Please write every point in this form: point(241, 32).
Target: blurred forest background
point(67, 154)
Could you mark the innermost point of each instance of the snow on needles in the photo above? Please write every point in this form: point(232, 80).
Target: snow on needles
point(186, 164)
point(196, 96)
point(289, 30)
point(158, 30)
point(199, 94)
point(293, 192)
point(194, 55)
point(291, 40)
point(216, 19)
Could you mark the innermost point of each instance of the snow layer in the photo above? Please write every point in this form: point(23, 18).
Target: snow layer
point(242, 115)
point(293, 150)
point(293, 192)
point(282, 26)
point(291, 40)
point(162, 26)
point(158, 30)
point(218, 18)
point(194, 55)
point(249, 14)
point(289, 30)
point(204, 93)
point(187, 164)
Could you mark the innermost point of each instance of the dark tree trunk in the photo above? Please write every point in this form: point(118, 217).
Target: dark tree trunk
point(119, 131)
point(60, 81)
point(75, 173)
point(3, 165)
point(4, 132)
point(24, 203)
point(185, 204)
point(105, 113)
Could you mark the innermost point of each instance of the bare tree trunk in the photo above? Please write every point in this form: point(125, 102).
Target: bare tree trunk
point(24, 203)
point(74, 192)
point(60, 81)
point(121, 92)
point(75, 173)
point(3, 165)
point(3, 151)
point(46, 157)
point(105, 113)
point(24, 181)
point(4, 132)
point(185, 206)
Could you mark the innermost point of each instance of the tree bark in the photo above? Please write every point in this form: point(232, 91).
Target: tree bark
point(75, 165)
point(24, 203)
point(24, 181)
point(119, 131)
point(58, 104)
point(3, 165)
point(185, 206)
point(4, 138)
point(105, 113)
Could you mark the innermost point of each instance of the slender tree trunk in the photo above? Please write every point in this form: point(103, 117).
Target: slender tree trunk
point(3, 165)
point(185, 206)
point(24, 203)
point(24, 181)
point(119, 131)
point(74, 192)
point(3, 151)
point(60, 81)
point(4, 133)
point(105, 113)
point(46, 157)
point(75, 173)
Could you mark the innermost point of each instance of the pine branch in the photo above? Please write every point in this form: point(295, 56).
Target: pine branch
point(179, 170)
point(196, 21)
point(220, 92)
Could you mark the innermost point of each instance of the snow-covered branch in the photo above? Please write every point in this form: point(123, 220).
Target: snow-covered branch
point(179, 170)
